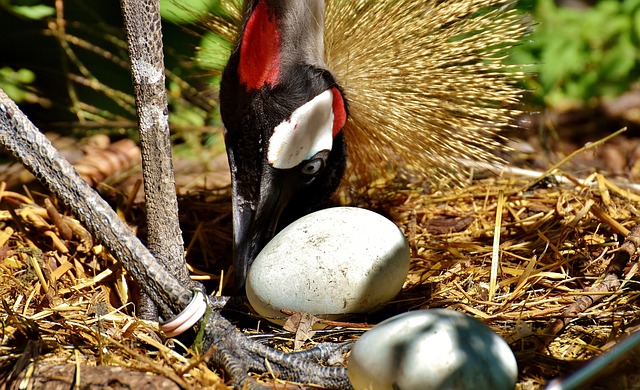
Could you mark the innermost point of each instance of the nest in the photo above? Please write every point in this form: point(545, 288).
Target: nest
point(529, 256)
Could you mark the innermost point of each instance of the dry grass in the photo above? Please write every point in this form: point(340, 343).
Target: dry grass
point(65, 300)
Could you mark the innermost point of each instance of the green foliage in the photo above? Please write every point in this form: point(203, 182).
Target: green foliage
point(577, 55)
point(28, 9)
point(16, 83)
point(205, 59)
point(580, 54)
point(187, 11)
point(69, 67)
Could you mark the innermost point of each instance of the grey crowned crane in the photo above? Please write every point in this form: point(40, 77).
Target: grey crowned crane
point(413, 84)
point(315, 95)
point(283, 114)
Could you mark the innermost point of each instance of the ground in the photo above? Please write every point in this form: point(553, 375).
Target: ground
point(66, 305)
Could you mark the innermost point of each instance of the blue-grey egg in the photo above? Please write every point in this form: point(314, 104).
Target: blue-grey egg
point(432, 349)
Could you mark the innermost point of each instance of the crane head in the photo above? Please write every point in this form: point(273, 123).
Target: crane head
point(283, 114)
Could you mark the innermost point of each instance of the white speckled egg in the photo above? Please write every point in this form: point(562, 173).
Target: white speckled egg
point(432, 349)
point(330, 263)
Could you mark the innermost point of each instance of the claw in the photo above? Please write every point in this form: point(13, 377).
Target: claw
point(240, 355)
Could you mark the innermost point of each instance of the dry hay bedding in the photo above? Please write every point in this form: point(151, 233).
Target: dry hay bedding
point(67, 316)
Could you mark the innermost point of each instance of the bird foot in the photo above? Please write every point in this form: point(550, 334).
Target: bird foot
point(239, 355)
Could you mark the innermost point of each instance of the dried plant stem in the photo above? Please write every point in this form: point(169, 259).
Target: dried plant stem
point(609, 283)
point(495, 256)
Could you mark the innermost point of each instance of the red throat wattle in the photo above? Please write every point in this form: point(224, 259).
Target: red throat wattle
point(339, 111)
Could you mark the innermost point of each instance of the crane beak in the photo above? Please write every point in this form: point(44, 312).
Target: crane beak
point(255, 221)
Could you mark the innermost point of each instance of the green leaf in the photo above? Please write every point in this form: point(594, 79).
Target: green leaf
point(15, 83)
point(620, 59)
point(34, 12)
point(186, 11)
point(214, 52)
point(636, 25)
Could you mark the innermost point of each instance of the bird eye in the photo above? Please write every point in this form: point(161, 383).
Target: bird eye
point(313, 167)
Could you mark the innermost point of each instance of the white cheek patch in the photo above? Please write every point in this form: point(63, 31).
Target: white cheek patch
point(307, 132)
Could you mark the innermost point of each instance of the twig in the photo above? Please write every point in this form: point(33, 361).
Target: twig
point(610, 283)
